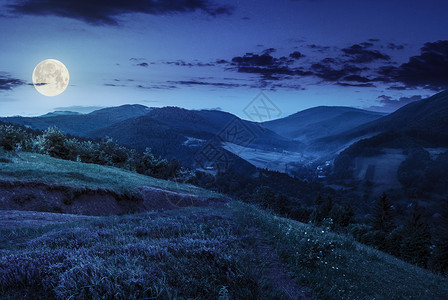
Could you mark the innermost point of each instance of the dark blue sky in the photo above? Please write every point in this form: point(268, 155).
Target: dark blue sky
point(209, 54)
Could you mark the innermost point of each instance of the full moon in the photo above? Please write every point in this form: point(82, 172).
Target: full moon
point(50, 77)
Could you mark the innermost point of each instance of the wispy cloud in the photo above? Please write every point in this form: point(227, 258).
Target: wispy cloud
point(106, 12)
point(388, 104)
point(8, 82)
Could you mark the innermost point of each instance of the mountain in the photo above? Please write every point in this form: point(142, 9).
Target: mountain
point(187, 134)
point(405, 149)
point(425, 119)
point(81, 124)
point(321, 121)
point(61, 113)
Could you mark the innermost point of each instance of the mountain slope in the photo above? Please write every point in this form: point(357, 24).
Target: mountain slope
point(320, 122)
point(234, 251)
point(188, 134)
point(81, 124)
point(426, 120)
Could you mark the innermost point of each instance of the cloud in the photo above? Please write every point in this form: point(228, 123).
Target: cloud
point(106, 12)
point(7, 83)
point(205, 83)
point(296, 55)
point(157, 87)
point(140, 62)
point(195, 63)
point(393, 46)
point(359, 53)
point(357, 78)
point(318, 48)
point(345, 84)
point(328, 73)
point(359, 65)
point(266, 65)
point(388, 104)
point(427, 70)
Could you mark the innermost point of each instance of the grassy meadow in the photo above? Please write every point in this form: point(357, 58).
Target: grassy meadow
point(43, 168)
point(201, 253)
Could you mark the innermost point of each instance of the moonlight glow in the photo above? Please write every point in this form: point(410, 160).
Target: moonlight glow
point(50, 77)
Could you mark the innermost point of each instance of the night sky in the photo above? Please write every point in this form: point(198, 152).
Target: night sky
point(199, 54)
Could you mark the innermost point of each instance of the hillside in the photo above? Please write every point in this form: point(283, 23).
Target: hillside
point(404, 150)
point(321, 121)
point(425, 120)
point(170, 132)
point(80, 124)
point(37, 182)
point(236, 251)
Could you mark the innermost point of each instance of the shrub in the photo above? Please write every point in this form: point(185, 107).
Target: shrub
point(12, 138)
point(54, 143)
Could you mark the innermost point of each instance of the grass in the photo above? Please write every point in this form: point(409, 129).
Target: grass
point(192, 253)
point(198, 253)
point(336, 267)
point(76, 175)
point(195, 253)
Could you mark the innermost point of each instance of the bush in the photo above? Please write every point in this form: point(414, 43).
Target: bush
point(12, 138)
point(54, 143)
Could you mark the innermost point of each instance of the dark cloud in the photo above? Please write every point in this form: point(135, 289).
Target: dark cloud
point(373, 40)
point(273, 69)
point(7, 83)
point(345, 84)
point(114, 85)
point(393, 46)
point(264, 64)
point(398, 88)
point(106, 12)
point(157, 87)
point(143, 64)
point(366, 44)
point(357, 78)
point(360, 65)
point(204, 83)
point(182, 63)
point(318, 48)
point(328, 73)
point(222, 61)
point(388, 104)
point(359, 53)
point(427, 70)
point(296, 55)
point(269, 51)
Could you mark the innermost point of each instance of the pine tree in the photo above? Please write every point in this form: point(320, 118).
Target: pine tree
point(382, 218)
point(440, 254)
point(321, 210)
point(416, 244)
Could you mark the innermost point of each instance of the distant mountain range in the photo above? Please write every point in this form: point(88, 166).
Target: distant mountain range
point(313, 134)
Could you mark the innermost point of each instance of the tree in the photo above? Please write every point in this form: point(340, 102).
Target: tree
point(382, 217)
point(440, 255)
point(321, 210)
point(152, 166)
point(416, 244)
point(11, 137)
point(54, 143)
point(342, 215)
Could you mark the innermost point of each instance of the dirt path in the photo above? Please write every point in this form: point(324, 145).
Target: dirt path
point(276, 272)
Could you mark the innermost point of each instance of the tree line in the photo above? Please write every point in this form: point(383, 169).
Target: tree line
point(56, 143)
